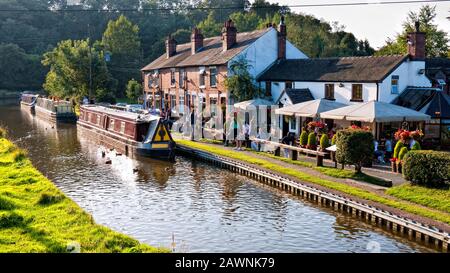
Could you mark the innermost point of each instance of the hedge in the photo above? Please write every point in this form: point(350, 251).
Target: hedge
point(430, 168)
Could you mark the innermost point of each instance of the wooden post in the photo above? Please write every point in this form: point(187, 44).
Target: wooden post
point(294, 154)
point(319, 160)
point(277, 151)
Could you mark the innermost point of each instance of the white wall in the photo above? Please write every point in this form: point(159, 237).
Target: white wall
point(341, 94)
point(408, 73)
point(262, 53)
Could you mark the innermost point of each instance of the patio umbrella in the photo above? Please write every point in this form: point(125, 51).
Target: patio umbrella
point(310, 108)
point(375, 111)
point(246, 105)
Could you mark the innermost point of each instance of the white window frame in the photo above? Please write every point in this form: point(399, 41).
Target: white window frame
point(201, 75)
point(394, 87)
point(211, 68)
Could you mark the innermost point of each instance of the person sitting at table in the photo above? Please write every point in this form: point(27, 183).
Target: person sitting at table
point(378, 154)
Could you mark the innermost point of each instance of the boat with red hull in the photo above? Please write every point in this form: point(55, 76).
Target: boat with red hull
point(130, 133)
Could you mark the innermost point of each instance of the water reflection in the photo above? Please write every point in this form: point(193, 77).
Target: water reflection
point(205, 208)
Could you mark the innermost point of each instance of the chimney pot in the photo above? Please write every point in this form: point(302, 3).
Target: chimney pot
point(229, 35)
point(171, 47)
point(196, 40)
point(416, 44)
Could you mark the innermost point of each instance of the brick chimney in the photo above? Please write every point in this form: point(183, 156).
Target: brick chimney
point(416, 44)
point(282, 39)
point(196, 40)
point(171, 47)
point(229, 33)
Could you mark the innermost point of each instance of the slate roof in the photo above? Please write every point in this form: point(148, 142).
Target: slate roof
point(426, 100)
point(298, 95)
point(434, 65)
point(210, 54)
point(440, 103)
point(342, 69)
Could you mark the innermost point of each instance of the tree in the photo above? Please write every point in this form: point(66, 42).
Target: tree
point(437, 40)
point(121, 40)
point(245, 21)
point(241, 83)
point(209, 26)
point(354, 146)
point(69, 75)
point(134, 90)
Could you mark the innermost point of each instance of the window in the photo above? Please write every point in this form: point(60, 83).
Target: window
point(181, 98)
point(201, 80)
point(172, 77)
point(155, 77)
point(173, 101)
point(357, 92)
point(288, 85)
point(149, 80)
point(122, 127)
point(213, 76)
point(111, 125)
point(181, 78)
point(329, 91)
point(213, 105)
point(394, 84)
point(293, 123)
point(268, 89)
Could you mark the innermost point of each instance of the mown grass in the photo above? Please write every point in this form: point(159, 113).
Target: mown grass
point(358, 192)
point(434, 198)
point(36, 217)
point(333, 172)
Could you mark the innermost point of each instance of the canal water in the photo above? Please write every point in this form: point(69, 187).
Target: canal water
point(199, 207)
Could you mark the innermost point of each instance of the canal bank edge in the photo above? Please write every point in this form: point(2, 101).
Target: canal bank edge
point(35, 216)
point(419, 222)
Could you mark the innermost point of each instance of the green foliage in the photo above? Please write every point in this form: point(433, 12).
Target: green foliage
point(437, 42)
point(3, 132)
point(304, 138)
point(209, 26)
point(333, 139)
point(416, 146)
point(354, 147)
point(311, 140)
point(402, 153)
point(240, 83)
point(69, 73)
point(121, 40)
point(37, 217)
point(430, 168)
point(245, 21)
point(134, 90)
point(19, 155)
point(324, 141)
point(398, 146)
point(19, 70)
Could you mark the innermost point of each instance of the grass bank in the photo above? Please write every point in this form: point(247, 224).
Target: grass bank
point(37, 217)
point(441, 216)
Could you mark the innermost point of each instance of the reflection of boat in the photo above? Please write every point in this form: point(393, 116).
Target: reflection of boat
point(27, 102)
point(55, 111)
point(140, 134)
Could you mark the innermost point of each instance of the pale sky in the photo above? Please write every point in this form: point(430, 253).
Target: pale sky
point(374, 22)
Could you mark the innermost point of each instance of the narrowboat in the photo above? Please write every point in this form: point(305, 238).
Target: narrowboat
point(54, 110)
point(27, 102)
point(128, 132)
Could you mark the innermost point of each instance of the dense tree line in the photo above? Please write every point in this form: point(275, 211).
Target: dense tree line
point(34, 33)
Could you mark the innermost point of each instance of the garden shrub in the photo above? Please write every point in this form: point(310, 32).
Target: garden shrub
point(311, 140)
point(402, 153)
point(398, 146)
point(304, 138)
point(48, 198)
point(430, 168)
point(333, 139)
point(10, 219)
point(324, 142)
point(354, 146)
point(3, 132)
point(416, 147)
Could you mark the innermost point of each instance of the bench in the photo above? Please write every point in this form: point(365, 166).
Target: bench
point(293, 150)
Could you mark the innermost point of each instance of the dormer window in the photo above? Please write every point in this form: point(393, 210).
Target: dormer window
point(394, 84)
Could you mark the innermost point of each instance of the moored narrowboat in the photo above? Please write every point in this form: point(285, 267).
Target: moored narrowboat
point(128, 132)
point(54, 110)
point(27, 102)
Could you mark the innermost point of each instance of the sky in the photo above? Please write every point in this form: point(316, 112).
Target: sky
point(374, 22)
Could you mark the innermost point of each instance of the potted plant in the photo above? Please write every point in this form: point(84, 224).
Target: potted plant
point(398, 146)
point(303, 139)
point(311, 141)
point(401, 155)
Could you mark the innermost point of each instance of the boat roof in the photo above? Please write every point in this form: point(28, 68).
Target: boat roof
point(121, 113)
